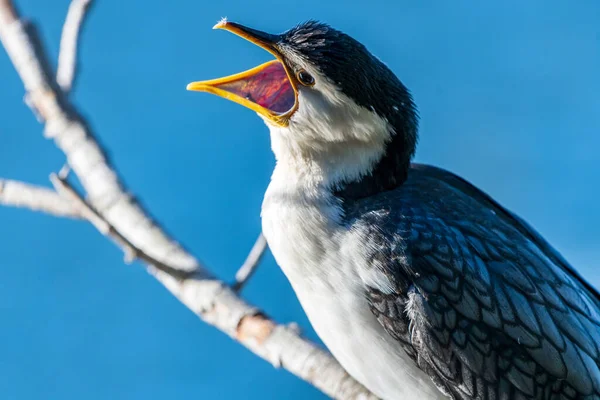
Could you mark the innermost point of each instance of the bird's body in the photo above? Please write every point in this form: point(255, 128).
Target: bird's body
point(365, 270)
point(324, 260)
point(422, 286)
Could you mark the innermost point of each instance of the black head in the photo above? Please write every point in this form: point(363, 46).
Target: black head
point(371, 84)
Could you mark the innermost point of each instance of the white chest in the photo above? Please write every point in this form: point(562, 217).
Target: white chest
point(321, 263)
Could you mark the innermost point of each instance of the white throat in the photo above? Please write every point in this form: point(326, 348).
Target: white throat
point(324, 165)
point(330, 140)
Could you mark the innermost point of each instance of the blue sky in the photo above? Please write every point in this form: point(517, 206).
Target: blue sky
point(508, 97)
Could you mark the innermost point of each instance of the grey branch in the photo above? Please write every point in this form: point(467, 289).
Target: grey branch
point(251, 264)
point(69, 43)
point(211, 299)
point(37, 198)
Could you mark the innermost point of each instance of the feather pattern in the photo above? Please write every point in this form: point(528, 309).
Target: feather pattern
point(479, 300)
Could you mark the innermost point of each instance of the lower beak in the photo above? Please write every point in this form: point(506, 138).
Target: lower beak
point(269, 89)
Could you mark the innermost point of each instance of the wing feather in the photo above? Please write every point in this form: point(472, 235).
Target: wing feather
point(482, 303)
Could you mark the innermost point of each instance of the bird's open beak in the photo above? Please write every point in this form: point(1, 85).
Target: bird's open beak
point(269, 89)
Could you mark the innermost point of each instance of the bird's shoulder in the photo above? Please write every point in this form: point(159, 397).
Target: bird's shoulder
point(475, 295)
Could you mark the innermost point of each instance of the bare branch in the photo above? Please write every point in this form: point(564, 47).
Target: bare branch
point(211, 299)
point(131, 253)
point(37, 198)
point(64, 172)
point(251, 264)
point(69, 43)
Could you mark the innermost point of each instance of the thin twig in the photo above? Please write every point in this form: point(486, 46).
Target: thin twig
point(251, 264)
point(69, 43)
point(62, 186)
point(64, 171)
point(37, 198)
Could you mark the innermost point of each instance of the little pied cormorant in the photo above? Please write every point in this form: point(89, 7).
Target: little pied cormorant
point(421, 285)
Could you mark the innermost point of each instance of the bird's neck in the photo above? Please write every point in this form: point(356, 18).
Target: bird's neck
point(388, 172)
point(349, 171)
point(325, 167)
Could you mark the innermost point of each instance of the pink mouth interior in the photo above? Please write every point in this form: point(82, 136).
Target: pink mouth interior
point(269, 88)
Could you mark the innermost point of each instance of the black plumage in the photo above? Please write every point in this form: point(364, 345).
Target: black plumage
point(481, 302)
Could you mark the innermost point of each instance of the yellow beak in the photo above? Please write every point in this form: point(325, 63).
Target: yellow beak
point(269, 89)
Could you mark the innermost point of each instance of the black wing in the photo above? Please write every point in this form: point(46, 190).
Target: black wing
point(481, 302)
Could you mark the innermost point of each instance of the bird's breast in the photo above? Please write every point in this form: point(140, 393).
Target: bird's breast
point(301, 227)
point(321, 261)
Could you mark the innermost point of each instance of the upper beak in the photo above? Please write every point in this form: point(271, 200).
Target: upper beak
point(269, 89)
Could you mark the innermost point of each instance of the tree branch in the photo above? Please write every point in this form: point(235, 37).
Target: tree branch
point(37, 198)
point(63, 187)
point(249, 266)
point(211, 299)
point(69, 42)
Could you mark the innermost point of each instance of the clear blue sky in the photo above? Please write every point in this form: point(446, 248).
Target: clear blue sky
point(509, 99)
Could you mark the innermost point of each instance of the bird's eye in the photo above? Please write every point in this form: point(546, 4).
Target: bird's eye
point(305, 78)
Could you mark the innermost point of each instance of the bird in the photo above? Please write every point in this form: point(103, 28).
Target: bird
point(420, 284)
